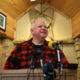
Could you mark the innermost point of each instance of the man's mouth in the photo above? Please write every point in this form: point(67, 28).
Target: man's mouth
point(43, 31)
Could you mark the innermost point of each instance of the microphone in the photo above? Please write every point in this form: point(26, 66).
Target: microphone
point(33, 64)
point(54, 44)
point(48, 71)
point(33, 57)
point(50, 44)
point(41, 58)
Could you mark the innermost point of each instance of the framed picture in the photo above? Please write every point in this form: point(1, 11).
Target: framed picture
point(2, 21)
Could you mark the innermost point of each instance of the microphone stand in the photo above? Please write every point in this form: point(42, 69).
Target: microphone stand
point(32, 67)
point(33, 63)
point(59, 62)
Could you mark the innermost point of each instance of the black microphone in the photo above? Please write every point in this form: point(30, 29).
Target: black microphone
point(48, 71)
point(40, 54)
point(33, 64)
point(34, 57)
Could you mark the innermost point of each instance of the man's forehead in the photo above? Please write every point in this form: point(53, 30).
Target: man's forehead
point(40, 22)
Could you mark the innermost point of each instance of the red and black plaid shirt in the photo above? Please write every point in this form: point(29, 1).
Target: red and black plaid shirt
point(20, 58)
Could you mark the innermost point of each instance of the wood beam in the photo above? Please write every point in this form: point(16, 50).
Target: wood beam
point(76, 25)
point(9, 33)
point(0, 51)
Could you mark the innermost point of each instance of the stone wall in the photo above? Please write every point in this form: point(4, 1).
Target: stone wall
point(69, 52)
point(7, 47)
point(77, 49)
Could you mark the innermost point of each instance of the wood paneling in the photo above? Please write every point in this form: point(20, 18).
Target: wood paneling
point(15, 8)
point(9, 33)
point(10, 27)
point(0, 50)
point(36, 74)
point(68, 7)
point(76, 25)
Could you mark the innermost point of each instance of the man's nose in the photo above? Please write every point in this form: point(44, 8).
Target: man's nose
point(43, 27)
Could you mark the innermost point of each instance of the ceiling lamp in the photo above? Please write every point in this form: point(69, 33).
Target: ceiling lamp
point(32, 0)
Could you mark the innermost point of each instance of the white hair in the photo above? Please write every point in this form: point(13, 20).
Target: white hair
point(33, 23)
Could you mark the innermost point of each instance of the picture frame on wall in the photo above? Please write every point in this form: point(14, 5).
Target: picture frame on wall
point(2, 21)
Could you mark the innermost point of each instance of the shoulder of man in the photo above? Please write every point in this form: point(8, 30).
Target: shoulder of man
point(25, 43)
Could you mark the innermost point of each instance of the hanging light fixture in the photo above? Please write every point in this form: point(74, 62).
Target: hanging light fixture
point(32, 0)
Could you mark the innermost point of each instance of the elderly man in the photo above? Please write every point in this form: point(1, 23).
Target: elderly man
point(30, 51)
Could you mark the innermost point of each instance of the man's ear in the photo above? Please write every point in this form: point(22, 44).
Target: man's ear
point(31, 30)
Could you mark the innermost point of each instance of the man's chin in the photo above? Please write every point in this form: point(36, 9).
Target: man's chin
point(43, 37)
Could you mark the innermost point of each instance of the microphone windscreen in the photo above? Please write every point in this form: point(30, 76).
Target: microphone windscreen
point(50, 44)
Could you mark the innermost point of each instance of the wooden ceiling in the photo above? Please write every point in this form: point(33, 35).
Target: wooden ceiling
point(68, 7)
point(16, 8)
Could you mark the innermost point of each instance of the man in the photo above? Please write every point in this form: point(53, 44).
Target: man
point(28, 53)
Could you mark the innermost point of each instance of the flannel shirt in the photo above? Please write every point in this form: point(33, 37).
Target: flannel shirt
point(20, 57)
